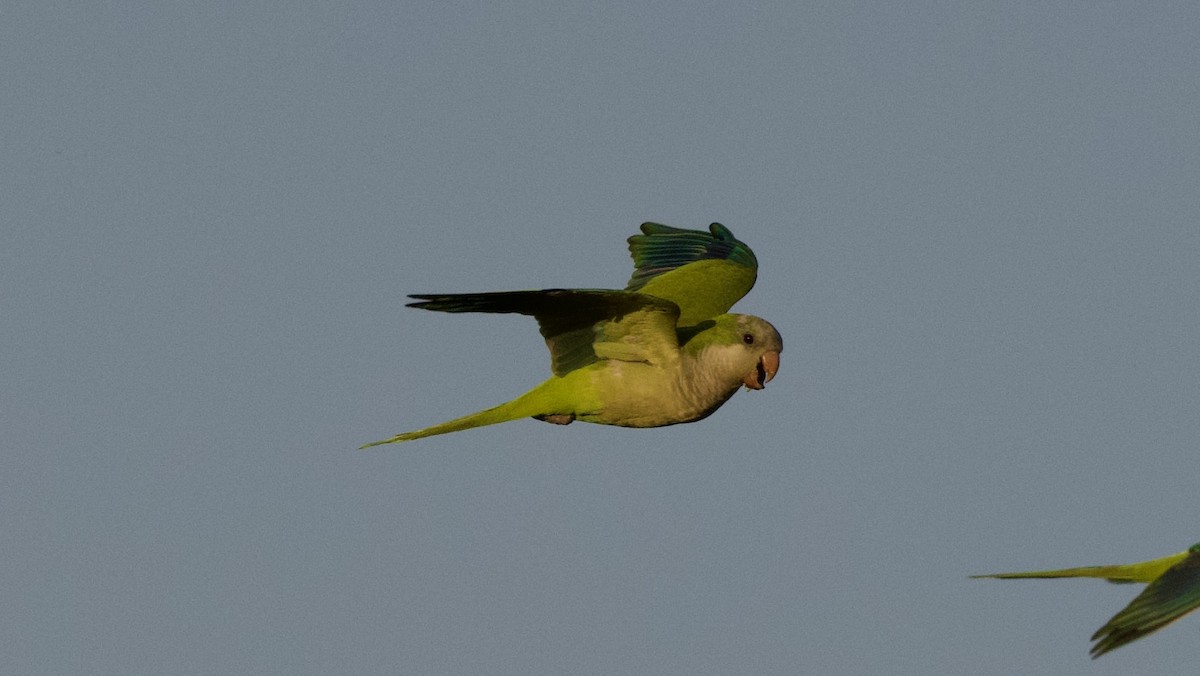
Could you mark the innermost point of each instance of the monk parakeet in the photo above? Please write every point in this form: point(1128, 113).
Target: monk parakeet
point(1173, 591)
point(662, 351)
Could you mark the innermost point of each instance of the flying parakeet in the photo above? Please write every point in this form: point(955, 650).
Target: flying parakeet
point(663, 351)
point(1173, 591)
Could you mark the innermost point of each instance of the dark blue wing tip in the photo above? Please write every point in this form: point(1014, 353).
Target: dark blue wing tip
point(650, 228)
point(663, 247)
point(721, 232)
point(718, 231)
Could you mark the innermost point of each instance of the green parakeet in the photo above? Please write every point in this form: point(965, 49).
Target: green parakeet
point(1173, 591)
point(663, 351)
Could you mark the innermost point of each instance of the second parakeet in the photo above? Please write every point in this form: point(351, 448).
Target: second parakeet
point(1173, 590)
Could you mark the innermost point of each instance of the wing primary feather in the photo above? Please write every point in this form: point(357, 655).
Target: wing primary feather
point(557, 306)
point(572, 320)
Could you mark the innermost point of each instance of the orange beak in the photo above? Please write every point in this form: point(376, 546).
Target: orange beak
point(762, 374)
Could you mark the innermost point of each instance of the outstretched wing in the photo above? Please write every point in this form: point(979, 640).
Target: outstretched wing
point(581, 326)
point(704, 273)
point(1173, 595)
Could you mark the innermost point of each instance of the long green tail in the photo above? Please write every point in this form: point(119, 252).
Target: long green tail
point(536, 402)
point(1144, 571)
point(497, 414)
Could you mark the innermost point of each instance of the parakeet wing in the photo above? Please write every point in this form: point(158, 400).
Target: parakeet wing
point(704, 273)
point(1174, 594)
point(581, 326)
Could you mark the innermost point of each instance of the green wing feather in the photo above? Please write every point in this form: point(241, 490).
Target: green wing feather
point(704, 273)
point(581, 326)
point(1174, 594)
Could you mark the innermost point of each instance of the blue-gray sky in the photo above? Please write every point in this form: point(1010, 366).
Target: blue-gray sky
point(979, 234)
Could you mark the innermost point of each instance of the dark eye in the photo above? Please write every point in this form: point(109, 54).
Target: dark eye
point(748, 338)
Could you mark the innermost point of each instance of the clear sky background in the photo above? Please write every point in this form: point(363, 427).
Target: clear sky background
point(979, 234)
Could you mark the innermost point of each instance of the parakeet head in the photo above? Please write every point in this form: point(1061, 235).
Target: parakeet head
point(745, 346)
